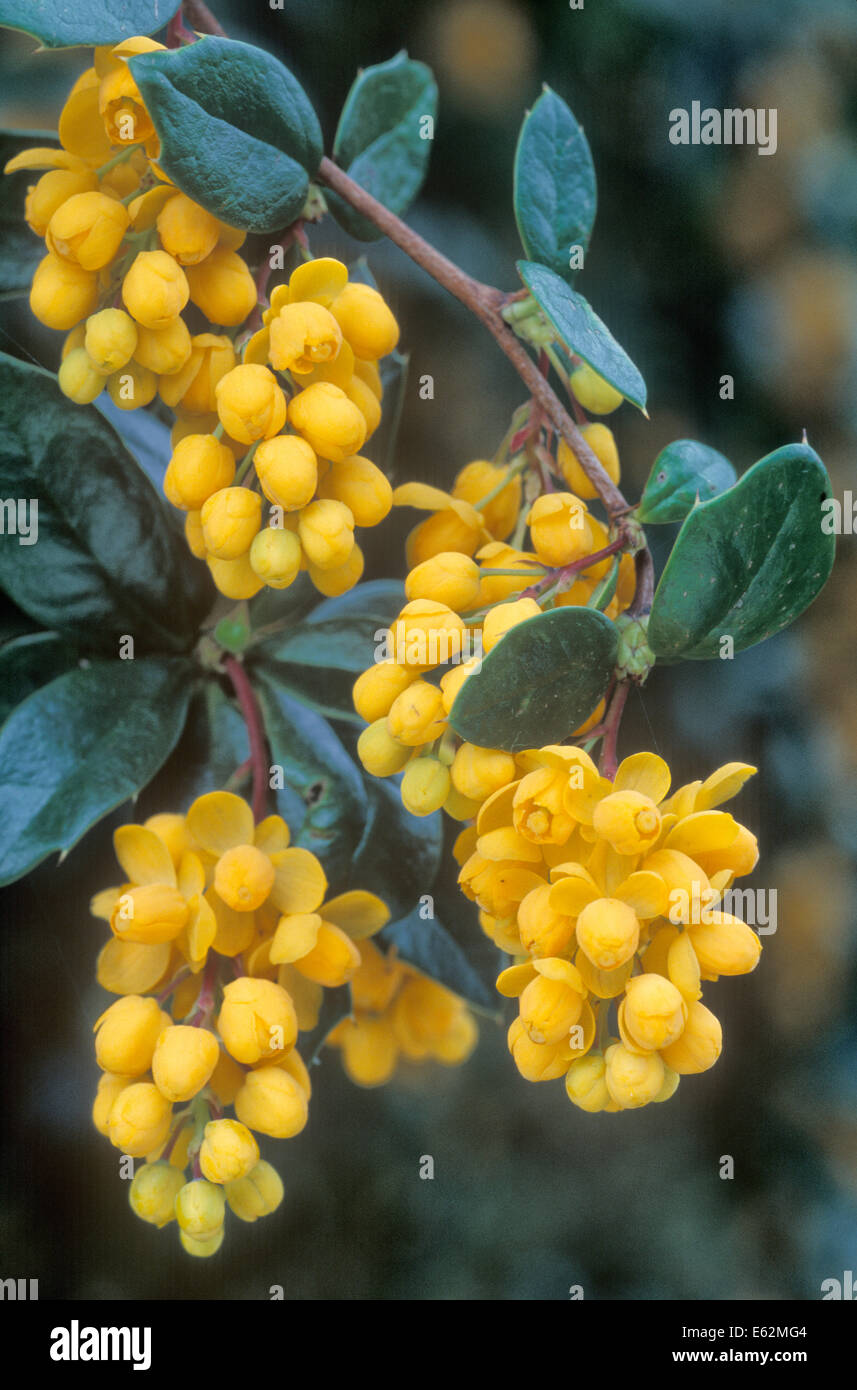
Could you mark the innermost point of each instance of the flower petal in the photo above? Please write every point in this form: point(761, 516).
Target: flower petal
point(295, 937)
point(506, 843)
point(496, 811)
point(704, 830)
point(514, 980)
point(421, 496)
point(191, 875)
point(272, 834)
point(131, 967)
point(305, 994)
point(645, 892)
point(300, 883)
point(645, 773)
point(143, 855)
point(358, 913)
point(319, 280)
point(41, 157)
point(103, 903)
point(200, 934)
point(235, 930)
point(723, 784)
point(219, 821)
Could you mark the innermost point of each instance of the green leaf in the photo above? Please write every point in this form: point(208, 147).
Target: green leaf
point(26, 663)
point(582, 331)
point(746, 563)
point(323, 799)
point(107, 562)
point(82, 745)
point(378, 141)
point(555, 193)
point(86, 22)
point(213, 744)
point(394, 380)
point(398, 855)
point(340, 633)
point(541, 681)
point(682, 474)
point(237, 131)
point(335, 1006)
point(20, 248)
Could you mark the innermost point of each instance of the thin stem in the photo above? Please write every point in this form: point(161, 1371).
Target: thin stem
point(486, 302)
point(511, 472)
point(613, 718)
point(177, 979)
point(117, 159)
point(641, 603)
point(200, 19)
point(253, 719)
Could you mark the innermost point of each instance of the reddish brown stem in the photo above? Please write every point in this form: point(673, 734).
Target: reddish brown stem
point(200, 18)
point(253, 719)
point(613, 719)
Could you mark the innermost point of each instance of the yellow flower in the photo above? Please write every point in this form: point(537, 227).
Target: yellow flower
point(228, 1153)
point(287, 469)
point(111, 339)
point(79, 378)
point(187, 231)
point(155, 289)
point(699, 1045)
point(200, 1208)
point(275, 556)
point(139, 1119)
point(200, 466)
point(608, 932)
point(164, 350)
point(222, 287)
point(257, 1194)
point(183, 1060)
point(87, 229)
point(478, 773)
point(559, 528)
point(654, 1013)
point(257, 1020)
point(361, 486)
point(455, 526)
point(250, 404)
point(593, 392)
point(632, 1079)
point(191, 385)
point(326, 530)
point(417, 715)
point(272, 1102)
point(230, 519)
point(603, 445)
point(504, 617)
point(328, 420)
point(127, 1033)
point(302, 336)
point(153, 1192)
point(375, 689)
point(62, 292)
point(479, 478)
point(365, 321)
point(52, 190)
point(586, 1085)
point(425, 786)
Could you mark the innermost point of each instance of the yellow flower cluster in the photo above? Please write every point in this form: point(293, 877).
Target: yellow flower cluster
point(610, 890)
point(398, 1013)
point(460, 607)
point(300, 406)
point(204, 893)
point(127, 255)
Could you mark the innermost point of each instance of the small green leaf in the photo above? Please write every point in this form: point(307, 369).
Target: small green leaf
point(380, 141)
point(86, 22)
point(582, 331)
point(555, 194)
point(746, 563)
point(107, 562)
point(20, 248)
point(318, 770)
point(82, 745)
point(335, 1006)
point(682, 474)
point(540, 683)
point(26, 663)
point(237, 131)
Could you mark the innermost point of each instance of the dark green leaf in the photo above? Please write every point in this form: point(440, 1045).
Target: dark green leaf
point(682, 474)
point(237, 131)
point(582, 331)
point(324, 801)
point(281, 605)
point(335, 1006)
point(107, 562)
point(20, 248)
point(340, 634)
point(398, 854)
point(147, 438)
point(746, 563)
point(541, 681)
point(81, 746)
point(26, 663)
point(426, 944)
point(60, 24)
point(554, 185)
point(380, 142)
point(394, 379)
point(213, 744)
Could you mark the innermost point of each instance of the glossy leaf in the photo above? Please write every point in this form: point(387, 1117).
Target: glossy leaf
point(682, 474)
point(540, 683)
point(59, 24)
point(398, 855)
point(555, 191)
point(381, 139)
point(31, 661)
point(319, 775)
point(107, 562)
point(237, 131)
point(82, 745)
point(746, 563)
point(212, 746)
point(582, 331)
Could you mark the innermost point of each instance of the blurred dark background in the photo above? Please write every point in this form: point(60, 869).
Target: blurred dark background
point(705, 261)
